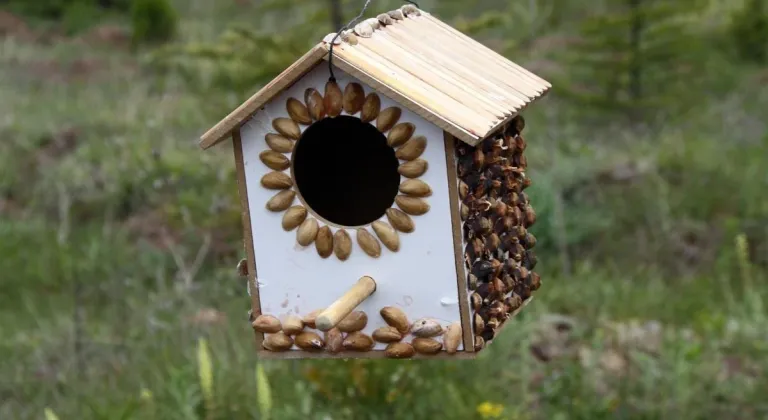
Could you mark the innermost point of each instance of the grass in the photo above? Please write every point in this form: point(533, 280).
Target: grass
point(118, 297)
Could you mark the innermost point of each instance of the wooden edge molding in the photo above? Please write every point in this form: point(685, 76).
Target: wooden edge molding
point(245, 213)
point(372, 354)
point(235, 119)
point(461, 277)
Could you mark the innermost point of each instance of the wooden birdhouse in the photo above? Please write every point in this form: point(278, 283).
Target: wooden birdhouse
point(382, 182)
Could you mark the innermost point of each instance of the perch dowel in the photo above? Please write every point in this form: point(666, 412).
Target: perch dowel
point(343, 306)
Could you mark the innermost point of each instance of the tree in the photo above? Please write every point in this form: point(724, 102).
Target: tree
point(636, 58)
point(749, 31)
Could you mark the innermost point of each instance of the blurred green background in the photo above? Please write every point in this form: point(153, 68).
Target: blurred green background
point(119, 237)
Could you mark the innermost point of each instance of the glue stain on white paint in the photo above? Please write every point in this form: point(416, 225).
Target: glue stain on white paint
point(446, 301)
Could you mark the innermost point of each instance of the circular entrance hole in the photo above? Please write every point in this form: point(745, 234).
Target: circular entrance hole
point(345, 171)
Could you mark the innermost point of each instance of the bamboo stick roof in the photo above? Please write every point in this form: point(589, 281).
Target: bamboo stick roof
point(427, 66)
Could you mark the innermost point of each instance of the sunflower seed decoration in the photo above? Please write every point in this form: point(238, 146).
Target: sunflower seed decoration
point(329, 101)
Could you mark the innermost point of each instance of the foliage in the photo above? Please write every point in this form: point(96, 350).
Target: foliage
point(153, 21)
point(635, 59)
point(749, 31)
point(103, 316)
point(74, 15)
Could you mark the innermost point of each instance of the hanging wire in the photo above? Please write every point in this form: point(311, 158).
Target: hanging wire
point(344, 28)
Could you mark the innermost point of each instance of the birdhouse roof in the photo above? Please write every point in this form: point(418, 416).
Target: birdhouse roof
point(425, 65)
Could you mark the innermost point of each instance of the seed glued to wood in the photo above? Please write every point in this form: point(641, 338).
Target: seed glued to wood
point(281, 201)
point(277, 342)
point(357, 341)
point(310, 318)
point(279, 144)
point(276, 181)
point(324, 242)
point(307, 232)
point(333, 340)
point(411, 150)
point(387, 235)
point(426, 345)
point(309, 341)
point(413, 169)
point(368, 243)
point(371, 108)
point(452, 338)
point(274, 160)
point(388, 118)
point(400, 134)
point(355, 321)
point(387, 335)
point(315, 106)
point(364, 30)
point(395, 317)
point(266, 324)
point(294, 217)
point(412, 205)
point(400, 220)
point(349, 37)
point(415, 188)
point(297, 111)
point(333, 99)
point(242, 268)
point(292, 325)
point(399, 351)
point(354, 97)
point(287, 128)
point(342, 244)
point(426, 328)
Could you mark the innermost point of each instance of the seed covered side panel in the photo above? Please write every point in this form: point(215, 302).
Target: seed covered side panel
point(414, 271)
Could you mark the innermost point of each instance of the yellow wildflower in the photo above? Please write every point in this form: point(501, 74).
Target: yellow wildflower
point(489, 410)
point(50, 415)
point(205, 370)
point(145, 395)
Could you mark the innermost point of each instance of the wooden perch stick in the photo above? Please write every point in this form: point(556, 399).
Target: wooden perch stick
point(345, 304)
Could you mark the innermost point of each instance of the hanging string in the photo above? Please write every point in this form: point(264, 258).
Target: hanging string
point(344, 28)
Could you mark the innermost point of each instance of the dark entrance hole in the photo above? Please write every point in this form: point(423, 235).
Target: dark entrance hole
point(345, 171)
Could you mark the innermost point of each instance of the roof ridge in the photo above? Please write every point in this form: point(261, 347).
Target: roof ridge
point(367, 27)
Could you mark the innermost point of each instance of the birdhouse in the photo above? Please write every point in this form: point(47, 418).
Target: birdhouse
point(382, 179)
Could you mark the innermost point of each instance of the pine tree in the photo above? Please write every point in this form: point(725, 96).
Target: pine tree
point(749, 31)
point(635, 59)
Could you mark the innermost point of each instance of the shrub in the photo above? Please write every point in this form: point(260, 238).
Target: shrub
point(153, 21)
point(749, 31)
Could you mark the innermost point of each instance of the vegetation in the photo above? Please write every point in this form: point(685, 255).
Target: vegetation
point(119, 237)
point(749, 29)
point(153, 21)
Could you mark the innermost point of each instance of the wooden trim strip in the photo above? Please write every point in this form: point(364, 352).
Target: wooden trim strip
point(372, 354)
point(406, 101)
point(245, 213)
point(235, 119)
point(461, 276)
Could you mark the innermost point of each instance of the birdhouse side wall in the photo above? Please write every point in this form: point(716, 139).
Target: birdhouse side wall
point(419, 278)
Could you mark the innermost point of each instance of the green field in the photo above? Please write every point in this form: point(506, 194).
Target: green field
point(119, 237)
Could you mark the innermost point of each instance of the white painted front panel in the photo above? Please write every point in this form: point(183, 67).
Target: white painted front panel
point(420, 278)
